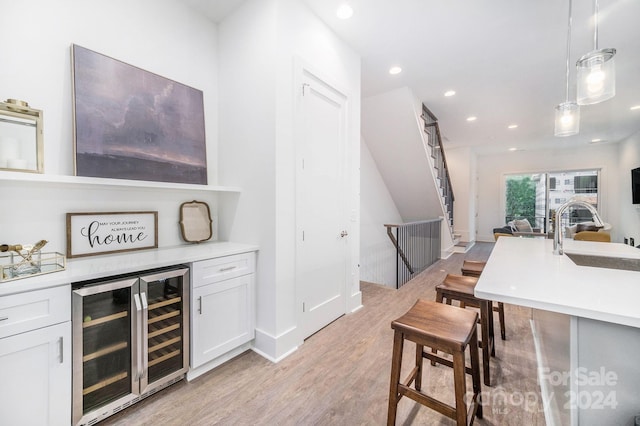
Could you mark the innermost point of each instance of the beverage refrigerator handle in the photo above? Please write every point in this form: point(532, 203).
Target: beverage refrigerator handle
point(61, 340)
point(136, 299)
point(145, 334)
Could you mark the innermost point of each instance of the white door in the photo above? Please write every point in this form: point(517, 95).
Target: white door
point(321, 215)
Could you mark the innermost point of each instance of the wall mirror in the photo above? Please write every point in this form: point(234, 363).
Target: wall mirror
point(195, 221)
point(21, 146)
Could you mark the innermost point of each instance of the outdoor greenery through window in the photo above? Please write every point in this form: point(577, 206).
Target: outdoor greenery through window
point(537, 196)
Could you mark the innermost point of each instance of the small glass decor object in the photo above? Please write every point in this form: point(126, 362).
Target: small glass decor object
point(23, 261)
point(195, 222)
point(21, 145)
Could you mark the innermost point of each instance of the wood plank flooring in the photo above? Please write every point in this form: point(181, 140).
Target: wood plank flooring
point(340, 375)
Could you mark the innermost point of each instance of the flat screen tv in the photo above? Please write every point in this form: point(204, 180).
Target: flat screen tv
point(635, 185)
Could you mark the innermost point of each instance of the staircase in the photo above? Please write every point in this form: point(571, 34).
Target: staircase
point(404, 140)
point(434, 141)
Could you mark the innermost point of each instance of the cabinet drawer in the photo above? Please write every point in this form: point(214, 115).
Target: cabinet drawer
point(34, 309)
point(222, 268)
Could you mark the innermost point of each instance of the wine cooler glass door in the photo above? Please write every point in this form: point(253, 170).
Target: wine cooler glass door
point(105, 346)
point(165, 328)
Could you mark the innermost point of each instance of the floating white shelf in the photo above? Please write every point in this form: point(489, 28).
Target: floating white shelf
point(17, 177)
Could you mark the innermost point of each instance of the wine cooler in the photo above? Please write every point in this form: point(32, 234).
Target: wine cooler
point(130, 339)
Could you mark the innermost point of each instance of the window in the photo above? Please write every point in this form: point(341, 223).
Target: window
point(585, 184)
point(537, 196)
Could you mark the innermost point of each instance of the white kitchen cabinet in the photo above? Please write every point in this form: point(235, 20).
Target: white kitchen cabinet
point(35, 357)
point(222, 306)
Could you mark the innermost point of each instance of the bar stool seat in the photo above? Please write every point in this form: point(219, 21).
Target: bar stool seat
point(445, 328)
point(473, 268)
point(461, 288)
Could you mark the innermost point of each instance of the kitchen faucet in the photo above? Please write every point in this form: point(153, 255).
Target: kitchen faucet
point(557, 235)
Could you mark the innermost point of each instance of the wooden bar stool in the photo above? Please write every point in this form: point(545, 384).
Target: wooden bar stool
point(473, 268)
point(448, 329)
point(460, 288)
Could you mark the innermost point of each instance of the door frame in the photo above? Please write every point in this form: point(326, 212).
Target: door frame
point(302, 69)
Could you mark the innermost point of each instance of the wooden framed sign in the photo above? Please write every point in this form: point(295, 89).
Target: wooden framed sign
point(90, 234)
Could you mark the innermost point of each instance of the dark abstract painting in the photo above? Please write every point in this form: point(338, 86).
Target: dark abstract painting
point(133, 124)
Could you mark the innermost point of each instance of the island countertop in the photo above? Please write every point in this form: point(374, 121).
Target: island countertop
point(525, 272)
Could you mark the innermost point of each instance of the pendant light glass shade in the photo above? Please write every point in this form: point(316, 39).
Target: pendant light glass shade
point(567, 119)
point(596, 77)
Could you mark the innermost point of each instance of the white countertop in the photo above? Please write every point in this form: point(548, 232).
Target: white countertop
point(88, 268)
point(524, 271)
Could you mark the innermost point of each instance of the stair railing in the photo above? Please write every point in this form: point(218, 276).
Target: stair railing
point(432, 129)
point(417, 247)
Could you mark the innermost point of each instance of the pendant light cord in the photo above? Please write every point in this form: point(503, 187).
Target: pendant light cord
point(568, 53)
point(595, 26)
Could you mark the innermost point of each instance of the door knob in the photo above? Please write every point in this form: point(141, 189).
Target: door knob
point(344, 234)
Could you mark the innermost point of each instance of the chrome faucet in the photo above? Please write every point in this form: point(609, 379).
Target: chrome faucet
point(557, 235)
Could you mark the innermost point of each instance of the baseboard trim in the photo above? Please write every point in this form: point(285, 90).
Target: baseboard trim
point(276, 348)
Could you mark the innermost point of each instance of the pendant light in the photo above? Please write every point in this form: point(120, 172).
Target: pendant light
point(596, 71)
point(567, 113)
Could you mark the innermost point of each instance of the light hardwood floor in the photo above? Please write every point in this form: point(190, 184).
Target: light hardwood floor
point(340, 375)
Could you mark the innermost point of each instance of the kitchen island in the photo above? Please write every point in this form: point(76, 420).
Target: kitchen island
point(585, 322)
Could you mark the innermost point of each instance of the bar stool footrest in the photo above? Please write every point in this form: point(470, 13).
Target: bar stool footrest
point(428, 401)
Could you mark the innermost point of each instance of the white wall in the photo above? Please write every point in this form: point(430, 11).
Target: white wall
point(260, 45)
point(628, 159)
point(492, 169)
point(461, 163)
point(161, 36)
point(377, 254)
point(247, 48)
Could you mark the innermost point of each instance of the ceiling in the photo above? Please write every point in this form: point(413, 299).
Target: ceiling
point(505, 59)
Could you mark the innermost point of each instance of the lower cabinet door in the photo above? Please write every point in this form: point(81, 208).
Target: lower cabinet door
point(223, 318)
point(35, 368)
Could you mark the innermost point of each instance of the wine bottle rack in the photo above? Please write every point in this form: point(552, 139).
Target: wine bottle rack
point(134, 333)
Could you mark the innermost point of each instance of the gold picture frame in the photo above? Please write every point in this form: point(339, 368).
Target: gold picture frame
point(21, 140)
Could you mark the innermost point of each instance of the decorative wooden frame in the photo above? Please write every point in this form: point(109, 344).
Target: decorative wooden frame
point(90, 234)
point(195, 221)
point(133, 124)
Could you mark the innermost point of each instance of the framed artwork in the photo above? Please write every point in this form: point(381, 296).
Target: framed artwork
point(132, 124)
point(90, 234)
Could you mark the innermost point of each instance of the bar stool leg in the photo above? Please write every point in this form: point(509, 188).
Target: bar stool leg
point(503, 333)
point(419, 358)
point(487, 344)
point(460, 388)
point(475, 377)
point(396, 365)
point(439, 298)
point(492, 336)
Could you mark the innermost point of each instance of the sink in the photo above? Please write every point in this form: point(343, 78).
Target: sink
point(608, 262)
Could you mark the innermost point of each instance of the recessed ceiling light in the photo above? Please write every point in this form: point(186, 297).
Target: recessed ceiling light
point(472, 118)
point(513, 149)
point(449, 93)
point(344, 11)
point(635, 107)
point(596, 140)
point(512, 126)
point(395, 70)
